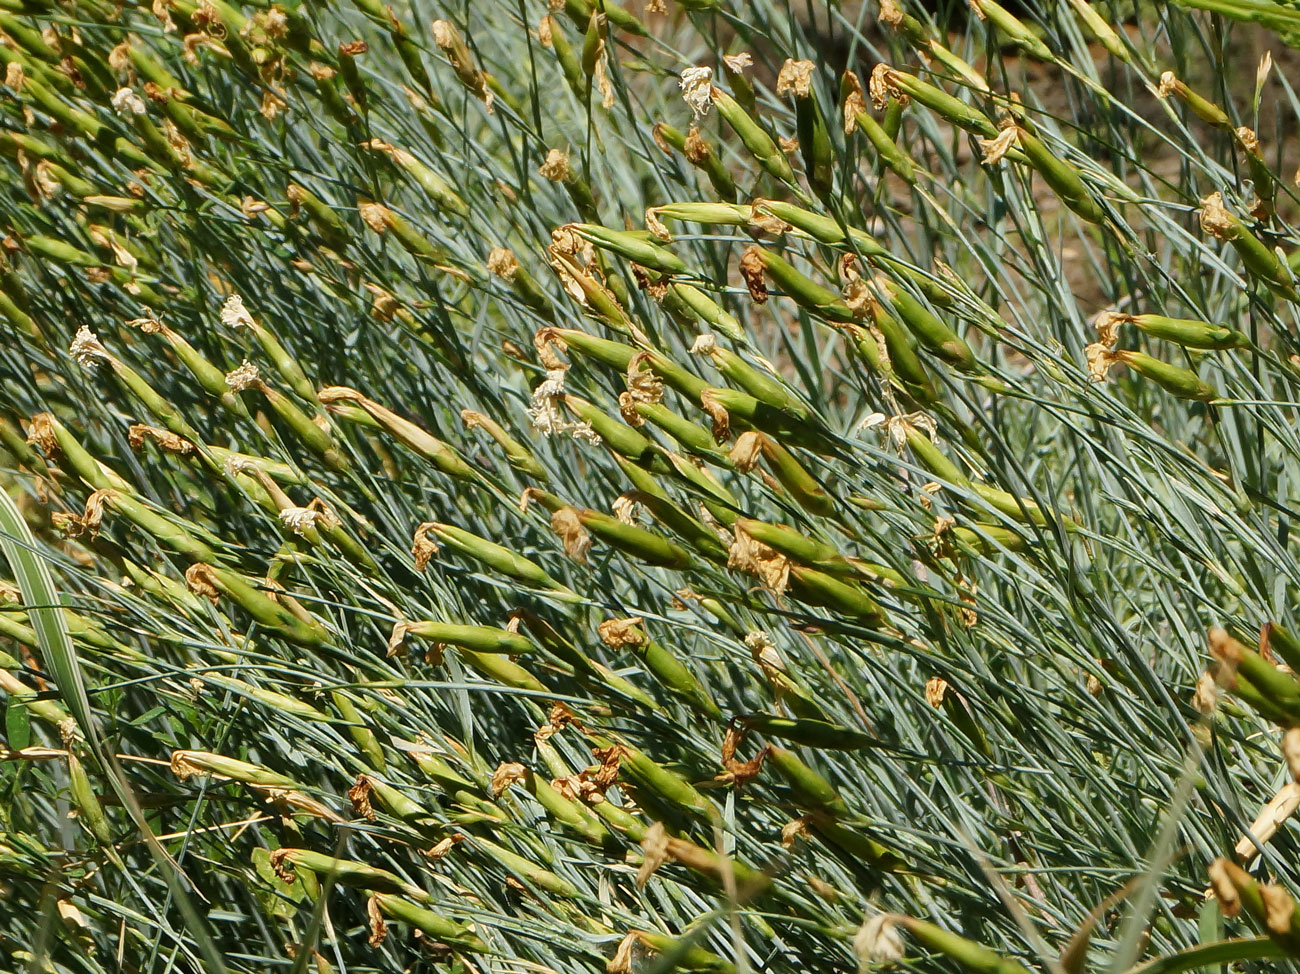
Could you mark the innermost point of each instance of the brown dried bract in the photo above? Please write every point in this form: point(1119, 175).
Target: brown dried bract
point(751, 269)
point(568, 526)
point(166, 440)
point(506, 774)
point(750, 555)
point(423, 547)
point(359, 795)
point(718, 413)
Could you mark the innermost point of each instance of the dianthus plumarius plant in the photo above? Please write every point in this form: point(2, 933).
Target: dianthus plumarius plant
point(708, 486)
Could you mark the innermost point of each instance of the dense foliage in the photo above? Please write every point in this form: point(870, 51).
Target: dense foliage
point(717, 485)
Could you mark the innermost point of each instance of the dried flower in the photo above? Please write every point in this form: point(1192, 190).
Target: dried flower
point(87, 349)
point(795, 78)
point(556, 166)
point(234, 314)
point(877, 942)
point(697, 90)
point(126, 102)
point(244, 377)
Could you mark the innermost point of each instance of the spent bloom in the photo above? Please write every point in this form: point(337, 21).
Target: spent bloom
point(877, 942)
point(234, 314)
point(697, 84)
point(86, 348)
point(127, 102)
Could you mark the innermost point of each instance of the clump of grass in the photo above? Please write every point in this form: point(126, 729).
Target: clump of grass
point(494, 487)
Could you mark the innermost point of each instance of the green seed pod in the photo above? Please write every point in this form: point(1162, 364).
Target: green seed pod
point(903, 360)
point(1101, 30)
point(764, 387)
point(185, 764)
point(939, 101)
point(970, 956)
point(211, 581)
point(1064, 177)
point(1183, 383)
point(796, 546)
point(655, 779)
point(523, 868)
point(711, 214)
point(1189, 333)
point(418, 440)
point(929, 456)
point(1009, 25)
point(619, 437)
point(856, 848)
point(810, 733)
point(89, 811)
point(569, 813)
point(661, 663)
point(433, 925)
point(1220, 222)
point(929, 330)
point(1280, 689)
point(755, 139)
point(635, 246)
point(802, 486)
point(501, 669)
point(811, 790)
point(481, 639)
point(688, 958)
point(797, 285)
point(495, 556)
point(345, 872)
point(982, 538)
point(814, 141)
point(364, 738)
point(818, 588)
point(691, 436)
point(641, 544)
point(708, 310)
point(898, 161)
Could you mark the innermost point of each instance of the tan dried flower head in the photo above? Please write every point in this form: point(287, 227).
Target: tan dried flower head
point(506, 774)
point(789, 144)
point(696, 147)
point(1107, 324)
point(618, 633)
point(656, 226)
point(378, 929)
point(423, 547)
point(751, 269)
point(855, 102)
point(718, 413)
point(996, 148)
point(747, 450)
point(697, 90)
point(14, 76)
point(568, 526)
point(376, 216)
point(1169, 84)
point(1249, 139)
point(359, 796)
point(795, 78)
point(502, 263)
point(654, 848)
point(799, 828)
point(546, 31)
point(890, 13)
point(1100, 360)
point(738, 63)
point(201, 580)
point(1216, 220)
point(1206, 697)
point(1224, 890)
point(556, 166)
point(166, 439)
point(643, 383)
point(748, 554)
point(936, 688)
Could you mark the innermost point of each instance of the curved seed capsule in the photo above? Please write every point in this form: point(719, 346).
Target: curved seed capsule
point(929, 330)
point(638, 542)
point(1189, 333)
point(495, 556)
point(524, 868)
point(1183, 383)
point(480, 639)
point(972, 957)
point(631, 245)
point(756, 140)
point(811, 790)
point(434, 925)
point(810, 733)
point(346, 872)
point(818, 588)
point(89, 811)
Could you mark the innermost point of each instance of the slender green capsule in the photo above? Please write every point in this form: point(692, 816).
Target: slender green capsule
point(517, 454)
point(418, 440)
point(495, 556)
point(810, 733)
point(818, 588)
point(393, 800)
point(273, 699)
point(1009, 25)
point(662, 664)
point(346, 872)
point(802, 486)
point(814, 141)
point(756, 140)
point(796, 546)
point(1189, 333)
point(362, 736)
point(691, 436)
point(708, 310)
point(699, 152)
point(502, 669)
point(1064, 177)
point(643, 545)
point(855, 847)
point(656, 779)
point(693, 957)
point(1281, 690)
point(436, 926)
point(1183, 383)
point(634, 245)
point(803, 289)
point(711, 214)
point(764, 387)
point(569, 813)
point(1260, 260)
point(931, 457)
point(619, 437)
point(481, 639)
point(211, 580)
point(889, 151)
point(1101, 29)
point(988, 539)
point(523, 868)
point(939, 101)
point(970, 956)
point(811, 790)
point(90, 812)
point(929, 330)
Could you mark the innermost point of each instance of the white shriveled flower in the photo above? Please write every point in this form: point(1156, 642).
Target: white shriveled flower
point(234, 314)
point(299, 520)
point(87, 349)
point(877, 942)
point(544, 413)
point(127, 102)
point(243, 377)
point(697, 89)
